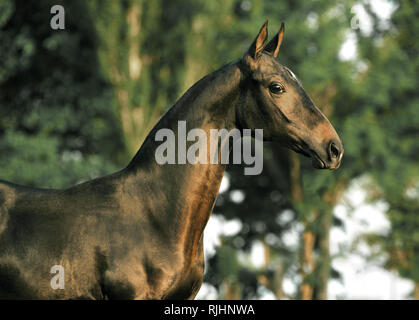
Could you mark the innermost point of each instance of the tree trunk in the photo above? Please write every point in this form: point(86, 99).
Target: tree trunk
point(278, 276)
point(307, 264)
point(323, 261)
point(295, 178)
point(330, 197)
point(308, 238)
point(231, 290)
point(416, 291)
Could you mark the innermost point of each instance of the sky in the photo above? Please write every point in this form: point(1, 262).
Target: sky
point(360, 279)
point(361, 20)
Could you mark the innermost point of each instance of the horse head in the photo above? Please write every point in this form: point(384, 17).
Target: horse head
point(274, 100)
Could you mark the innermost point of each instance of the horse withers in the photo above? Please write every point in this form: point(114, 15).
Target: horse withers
point(138, 233)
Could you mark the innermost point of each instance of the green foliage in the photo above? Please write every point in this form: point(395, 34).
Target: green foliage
point(148, 68)
point(76, 104)
point(314, 32)
point(378, 116)
point(57, 124)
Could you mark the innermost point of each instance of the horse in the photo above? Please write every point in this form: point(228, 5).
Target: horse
point(138, 233)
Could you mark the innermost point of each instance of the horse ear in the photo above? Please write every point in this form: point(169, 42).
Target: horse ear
point(257, 45)
point(273, 46)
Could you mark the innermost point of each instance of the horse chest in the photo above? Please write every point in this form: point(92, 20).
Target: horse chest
point(188, 282)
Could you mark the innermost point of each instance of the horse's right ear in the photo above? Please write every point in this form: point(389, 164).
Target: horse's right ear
point(273, 46)
point(257, 46)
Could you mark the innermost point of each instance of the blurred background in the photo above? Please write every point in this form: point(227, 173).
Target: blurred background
point(77, 103)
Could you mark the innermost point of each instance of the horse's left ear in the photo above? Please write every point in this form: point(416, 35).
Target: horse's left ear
point(273, 46)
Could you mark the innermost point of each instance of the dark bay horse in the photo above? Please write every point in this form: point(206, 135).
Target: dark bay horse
point(138, 233)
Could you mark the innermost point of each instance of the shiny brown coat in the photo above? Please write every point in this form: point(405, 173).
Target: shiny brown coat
point(138, 233)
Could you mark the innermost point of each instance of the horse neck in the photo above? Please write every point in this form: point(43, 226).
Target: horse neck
point(184, 193)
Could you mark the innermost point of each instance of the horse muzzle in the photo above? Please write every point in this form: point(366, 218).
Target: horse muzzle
point(327, 156)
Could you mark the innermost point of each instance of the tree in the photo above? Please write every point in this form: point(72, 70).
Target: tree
point(148, 69)
point(313, 36)
point(385, 142)
point(77, 103)
point(57, 126)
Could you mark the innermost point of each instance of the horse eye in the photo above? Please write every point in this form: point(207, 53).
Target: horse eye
point(276, 87)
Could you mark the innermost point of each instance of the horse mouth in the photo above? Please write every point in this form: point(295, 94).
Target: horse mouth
point(316, 161)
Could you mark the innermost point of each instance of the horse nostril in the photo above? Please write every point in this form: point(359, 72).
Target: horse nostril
point(334, 151)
